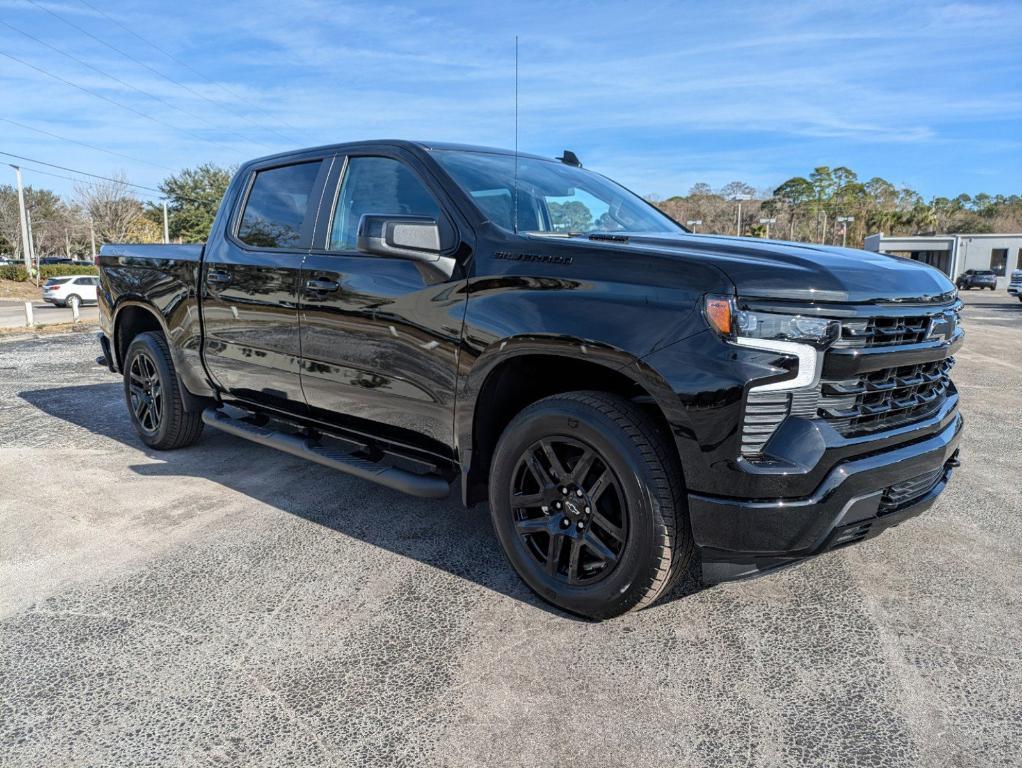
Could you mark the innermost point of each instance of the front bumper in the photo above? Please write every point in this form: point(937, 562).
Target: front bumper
point(1015, 290)
point(738, 537)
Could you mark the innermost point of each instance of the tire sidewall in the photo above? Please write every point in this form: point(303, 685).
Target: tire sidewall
point(146, 343)
point(630, 577)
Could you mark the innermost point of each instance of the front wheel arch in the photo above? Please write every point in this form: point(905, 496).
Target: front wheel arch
point(517, 380)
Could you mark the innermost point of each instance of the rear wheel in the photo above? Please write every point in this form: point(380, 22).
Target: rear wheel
point(153, 395)
point(587, 501)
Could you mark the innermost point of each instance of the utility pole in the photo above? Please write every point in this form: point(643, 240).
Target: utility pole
point(738, 222)
point(768, 222)
point(844, 221)
point(92, 236)
point(693, 223)
point(23, 221)
point(31, 246)
point(166, 229)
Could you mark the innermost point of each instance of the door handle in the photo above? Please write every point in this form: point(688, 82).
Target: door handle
point(218, 278)
point(321, 286)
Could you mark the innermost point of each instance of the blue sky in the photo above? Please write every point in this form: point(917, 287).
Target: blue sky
point(658, 95)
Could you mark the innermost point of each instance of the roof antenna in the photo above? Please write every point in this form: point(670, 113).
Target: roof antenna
point(515, 200)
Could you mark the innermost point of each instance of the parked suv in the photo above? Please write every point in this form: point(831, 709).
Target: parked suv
point(72, 291)
point(624, 394)
point(1015, 286)
point(977, 278)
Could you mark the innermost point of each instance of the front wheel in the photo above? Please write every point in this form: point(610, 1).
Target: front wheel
point(153, 395)
point(587, 500)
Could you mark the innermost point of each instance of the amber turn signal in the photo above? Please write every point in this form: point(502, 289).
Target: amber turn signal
point(718, 314)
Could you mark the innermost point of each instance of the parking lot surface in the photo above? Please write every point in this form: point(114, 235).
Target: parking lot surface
point(227, 604)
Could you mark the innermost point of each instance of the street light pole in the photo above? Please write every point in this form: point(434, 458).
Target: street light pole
point(844, 221)
point(166, 229)
point(768, 222)
point(23, 221)
point(738, 199)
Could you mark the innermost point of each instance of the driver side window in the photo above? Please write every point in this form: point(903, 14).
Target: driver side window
point(381, 186)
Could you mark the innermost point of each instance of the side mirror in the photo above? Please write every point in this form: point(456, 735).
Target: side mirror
point(416, 238)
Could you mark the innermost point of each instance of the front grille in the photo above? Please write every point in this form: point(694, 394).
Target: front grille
point(883, 331)
point(904, 493)
point(886, 398)
point(871, 402)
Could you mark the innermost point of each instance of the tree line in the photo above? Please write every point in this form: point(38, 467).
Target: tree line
point(804, 208)
point(111, 212)
point(808, 209)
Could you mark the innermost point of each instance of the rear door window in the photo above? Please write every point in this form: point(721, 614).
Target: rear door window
point(278, 206)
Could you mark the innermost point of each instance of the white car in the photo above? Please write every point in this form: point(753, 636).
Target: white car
point(72, 291)
point(1015, 286)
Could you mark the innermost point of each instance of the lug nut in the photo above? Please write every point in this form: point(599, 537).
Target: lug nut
point(581, 525)
point(578, 493)
point(588, 510)
point(557, 505)
point(564, 491)
point(565, 522)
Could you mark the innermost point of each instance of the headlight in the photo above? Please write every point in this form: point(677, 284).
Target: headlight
point(733, 324)
point(801, 336)
point(766, 325)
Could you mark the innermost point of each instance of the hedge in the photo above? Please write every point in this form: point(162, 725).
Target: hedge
point(18, 273)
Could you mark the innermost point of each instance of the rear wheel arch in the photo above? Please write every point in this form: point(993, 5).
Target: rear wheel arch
point(130, 320)
point(513, 383)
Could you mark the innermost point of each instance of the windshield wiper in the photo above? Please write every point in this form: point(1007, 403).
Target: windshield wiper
point(550, 233)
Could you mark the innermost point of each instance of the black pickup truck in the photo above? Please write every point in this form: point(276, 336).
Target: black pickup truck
point(625, 394)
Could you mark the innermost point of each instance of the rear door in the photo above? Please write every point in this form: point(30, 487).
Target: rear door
point(85, 287)
point(251, 283)
point(380, 335)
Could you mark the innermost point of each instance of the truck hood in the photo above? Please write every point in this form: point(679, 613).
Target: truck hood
point(774, 269)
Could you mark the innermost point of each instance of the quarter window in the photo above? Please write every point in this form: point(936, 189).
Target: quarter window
point(277, 207)
point(380, 186)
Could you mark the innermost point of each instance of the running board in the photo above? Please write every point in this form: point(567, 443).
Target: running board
point(429, 486)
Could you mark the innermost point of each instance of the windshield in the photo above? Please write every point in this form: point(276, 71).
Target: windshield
point(553, 198)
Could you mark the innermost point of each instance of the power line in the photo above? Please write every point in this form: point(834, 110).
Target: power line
point(141, 63)
point(105, 98)
point(84, 144)
point(80, 173)
point(180, 62)
point(126, 84)
point(160, 192)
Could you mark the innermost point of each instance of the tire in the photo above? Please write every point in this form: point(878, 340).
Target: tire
point(637, 513)
point(153, 395)
point(73, 301)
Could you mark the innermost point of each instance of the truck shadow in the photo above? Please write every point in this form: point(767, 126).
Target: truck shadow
point(442, 534)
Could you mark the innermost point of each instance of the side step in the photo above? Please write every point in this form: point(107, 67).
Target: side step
point(427, 486)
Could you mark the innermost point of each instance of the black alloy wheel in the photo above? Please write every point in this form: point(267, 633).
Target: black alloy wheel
point(153, 395)
point(569, 510)
point(588, 502)
point(146, 392)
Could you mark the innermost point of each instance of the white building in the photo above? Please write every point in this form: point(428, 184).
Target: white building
point(953, 254)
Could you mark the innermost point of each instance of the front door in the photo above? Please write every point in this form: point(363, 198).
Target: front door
point(251, 282)
point(380, 335)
